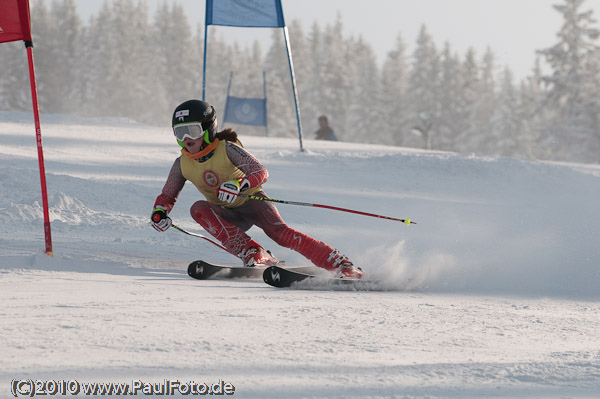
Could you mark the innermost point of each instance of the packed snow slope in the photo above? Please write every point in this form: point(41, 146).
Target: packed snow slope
point(493, 293)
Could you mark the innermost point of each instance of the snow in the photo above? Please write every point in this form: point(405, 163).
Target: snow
point(492, 294)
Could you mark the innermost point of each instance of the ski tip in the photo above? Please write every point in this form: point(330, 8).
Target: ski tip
point(408, 222)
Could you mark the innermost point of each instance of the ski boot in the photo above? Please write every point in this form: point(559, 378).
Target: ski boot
point(253, 255)
point(342, 266)
point(348, 270)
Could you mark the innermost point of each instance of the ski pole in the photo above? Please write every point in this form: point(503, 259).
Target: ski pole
point(199, 235)
point(335, 208)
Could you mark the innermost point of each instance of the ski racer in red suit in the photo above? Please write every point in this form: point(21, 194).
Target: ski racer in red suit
point(221, 169)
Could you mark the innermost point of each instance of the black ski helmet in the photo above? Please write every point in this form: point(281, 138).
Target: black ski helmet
point(196, 111)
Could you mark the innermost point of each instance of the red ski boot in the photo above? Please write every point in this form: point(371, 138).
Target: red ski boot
point(342, 266)
point(348, 270)
point(253, 255)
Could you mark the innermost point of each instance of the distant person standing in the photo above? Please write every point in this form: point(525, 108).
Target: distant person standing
point(325, 132)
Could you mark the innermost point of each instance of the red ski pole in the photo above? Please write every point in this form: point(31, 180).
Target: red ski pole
point(335, 208)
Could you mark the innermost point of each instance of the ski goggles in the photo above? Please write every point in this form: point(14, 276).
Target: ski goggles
point(193, 130)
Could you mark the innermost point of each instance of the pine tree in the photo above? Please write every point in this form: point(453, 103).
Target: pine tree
point(451, 120)
point(302, 66)
point(468, 136)
point(129, 77)
point(100, 62)
point(176, 65)
point(394, 81)
point(506, 124)
point(15, 94)
point(572, 85)
point(484, 107)
point(60, 59)
point(313, 104)
point(422, 92)
point(364, 111)
point(334, 78)
point(533, 114)
point(280, 103)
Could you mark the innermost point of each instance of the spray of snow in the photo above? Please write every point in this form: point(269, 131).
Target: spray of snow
point(399, 269)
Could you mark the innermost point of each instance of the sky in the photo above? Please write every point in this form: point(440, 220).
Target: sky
point(513, 29)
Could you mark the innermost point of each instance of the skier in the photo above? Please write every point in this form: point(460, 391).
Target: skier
point(221, 169)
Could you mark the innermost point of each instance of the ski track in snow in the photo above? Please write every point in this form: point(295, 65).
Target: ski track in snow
point(493, 294)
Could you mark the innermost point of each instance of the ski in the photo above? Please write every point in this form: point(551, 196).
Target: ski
point(202, 270)
point(281, 278)
point(284, 278)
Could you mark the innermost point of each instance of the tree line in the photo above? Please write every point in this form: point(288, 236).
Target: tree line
point(127, 63)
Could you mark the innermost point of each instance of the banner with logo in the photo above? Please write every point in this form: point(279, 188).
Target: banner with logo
point(246, 111)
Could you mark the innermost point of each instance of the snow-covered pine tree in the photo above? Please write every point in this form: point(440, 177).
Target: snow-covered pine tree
point(336, 87)
point(179, 63)
point(302, 67)
point(100, 62)
point(15, 94)
point(532, 113)
point(128, 79)
point(394, 82)
point(484, 107)
point(312, 101)
point(467, 99)
point(506, 124)
point(364, 117)
point(281, 113)
point(423, 89)
point(572, 85)
point(450, 122)
point(60, 59)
